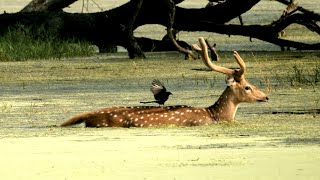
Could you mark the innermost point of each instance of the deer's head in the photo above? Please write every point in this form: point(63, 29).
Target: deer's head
point(239, 89)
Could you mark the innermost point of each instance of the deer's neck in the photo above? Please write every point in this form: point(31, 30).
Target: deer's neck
point(226, 106)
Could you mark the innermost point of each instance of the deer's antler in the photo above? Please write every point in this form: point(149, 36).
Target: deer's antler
point(207, 61)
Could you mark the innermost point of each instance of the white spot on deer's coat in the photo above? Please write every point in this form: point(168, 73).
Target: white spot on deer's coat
point(115, 116)
point(141, 117)
point(120, 120)
point(150, 125)
point(102, 112)
point(141, 125)
point(136, 119)
point(177, 119)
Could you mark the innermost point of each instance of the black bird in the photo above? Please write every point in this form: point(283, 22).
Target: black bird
point(160, 93)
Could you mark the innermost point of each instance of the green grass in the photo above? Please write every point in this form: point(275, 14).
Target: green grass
point(40, 94)
point(19, 44)
point(50, 87)
point(300, 76)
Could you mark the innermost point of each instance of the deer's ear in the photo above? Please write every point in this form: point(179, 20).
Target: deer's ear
point(230, 80)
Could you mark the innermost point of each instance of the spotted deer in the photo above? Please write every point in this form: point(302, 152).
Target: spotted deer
point(238, 90)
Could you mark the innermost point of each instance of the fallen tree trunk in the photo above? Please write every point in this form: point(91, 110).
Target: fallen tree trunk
point(115, 27)
point(47, 5)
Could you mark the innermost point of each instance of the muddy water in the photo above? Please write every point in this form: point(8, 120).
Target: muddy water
point(261, 145)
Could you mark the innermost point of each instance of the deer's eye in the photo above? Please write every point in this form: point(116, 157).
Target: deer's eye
point(247, 88)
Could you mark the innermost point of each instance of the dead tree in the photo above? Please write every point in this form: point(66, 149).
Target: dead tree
point(114, 27)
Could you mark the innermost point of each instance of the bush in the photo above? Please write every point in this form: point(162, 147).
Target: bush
point(299, 76)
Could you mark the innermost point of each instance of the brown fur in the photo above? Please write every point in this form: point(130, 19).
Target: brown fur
point(144, 116)
point(76, 119)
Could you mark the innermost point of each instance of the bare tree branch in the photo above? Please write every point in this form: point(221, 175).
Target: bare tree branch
point(134, 49)
point(213, 52)
point(47, 5)
point(301, 9)
point(171, 9)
